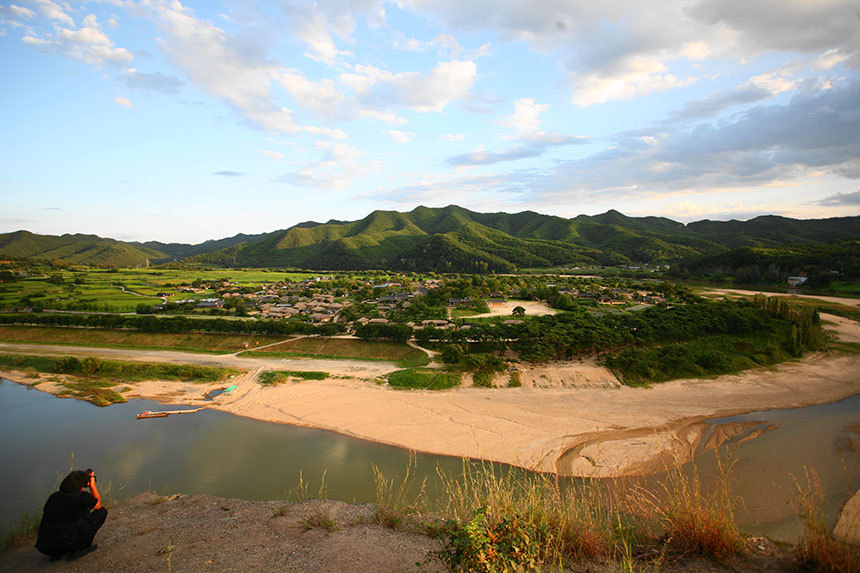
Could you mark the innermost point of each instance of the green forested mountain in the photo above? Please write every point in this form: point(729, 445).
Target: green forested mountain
point(458, 240)
point(182, 250)
point(78, 249)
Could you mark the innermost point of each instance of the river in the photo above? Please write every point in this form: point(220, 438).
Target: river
point(225, 455)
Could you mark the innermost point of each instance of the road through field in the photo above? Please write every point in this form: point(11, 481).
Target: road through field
point(349, 368)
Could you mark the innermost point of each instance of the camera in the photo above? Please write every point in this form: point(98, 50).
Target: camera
point(92, 473)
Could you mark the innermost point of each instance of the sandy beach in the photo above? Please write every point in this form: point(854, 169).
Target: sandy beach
point(570, 418)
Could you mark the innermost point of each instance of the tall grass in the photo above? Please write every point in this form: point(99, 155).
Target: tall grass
point(818, 549)
point(496, 518)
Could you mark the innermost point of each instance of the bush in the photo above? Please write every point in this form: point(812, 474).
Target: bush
point(482, 379)
point(275, 377)
point(514, 380)
point(423, 379)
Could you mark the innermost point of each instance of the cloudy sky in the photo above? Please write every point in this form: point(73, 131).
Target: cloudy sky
point(185, 121)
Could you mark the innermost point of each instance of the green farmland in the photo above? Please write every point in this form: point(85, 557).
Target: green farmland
point(111, 290)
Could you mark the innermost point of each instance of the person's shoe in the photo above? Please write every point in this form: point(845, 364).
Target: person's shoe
point(81, 552)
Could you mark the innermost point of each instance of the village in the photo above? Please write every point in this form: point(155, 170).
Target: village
point(440, 303)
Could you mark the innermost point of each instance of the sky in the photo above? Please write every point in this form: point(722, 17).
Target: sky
point(187, 121)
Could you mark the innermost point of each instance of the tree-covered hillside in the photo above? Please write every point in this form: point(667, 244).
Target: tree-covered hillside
point(454, 239)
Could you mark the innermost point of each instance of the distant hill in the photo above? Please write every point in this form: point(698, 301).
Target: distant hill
point(182, 250)
point(78, 249)
point(454, 239)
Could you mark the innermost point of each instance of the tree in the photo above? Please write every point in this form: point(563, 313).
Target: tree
point(518, 311)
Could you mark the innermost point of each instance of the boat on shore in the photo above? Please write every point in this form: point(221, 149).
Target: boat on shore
point(163, 414)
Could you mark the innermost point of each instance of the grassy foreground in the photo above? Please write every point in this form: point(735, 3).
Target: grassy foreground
point(491, 520)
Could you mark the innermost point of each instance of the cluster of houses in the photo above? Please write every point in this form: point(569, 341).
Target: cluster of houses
point(304, 300)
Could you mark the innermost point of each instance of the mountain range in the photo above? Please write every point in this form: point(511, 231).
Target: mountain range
point(450, 239)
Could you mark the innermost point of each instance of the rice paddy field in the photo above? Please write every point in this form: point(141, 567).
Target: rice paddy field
point(121, 290)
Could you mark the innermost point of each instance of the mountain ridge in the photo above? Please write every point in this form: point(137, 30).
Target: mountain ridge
point(449, 238)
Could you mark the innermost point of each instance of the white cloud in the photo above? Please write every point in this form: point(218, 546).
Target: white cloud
point(628, 48)
point(323, 97)
point(526, 116)
point(53, 11)
point(276, 155)
point(123, 101)
point(339, 167)
point(20, 11)
point(400, 136)
point(88, 43)
point(639, 76)
point(334, 133)
point(453, 137)
point(317, 23)
point(223, 66)
point(422, 92)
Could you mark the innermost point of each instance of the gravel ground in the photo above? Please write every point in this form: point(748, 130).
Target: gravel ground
point(205, 533)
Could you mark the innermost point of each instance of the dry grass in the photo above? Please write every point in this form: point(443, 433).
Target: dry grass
point(691, 520)
point(818, 549)
point(499, 517)
point(398, 498)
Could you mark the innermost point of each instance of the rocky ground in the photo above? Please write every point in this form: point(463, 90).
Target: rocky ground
point(205, 533)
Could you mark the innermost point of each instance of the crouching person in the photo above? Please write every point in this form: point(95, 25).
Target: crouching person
point(71, 517)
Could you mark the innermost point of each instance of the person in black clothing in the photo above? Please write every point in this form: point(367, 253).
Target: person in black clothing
point(71, 517)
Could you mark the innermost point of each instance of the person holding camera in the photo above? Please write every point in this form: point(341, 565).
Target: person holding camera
point(71, 517)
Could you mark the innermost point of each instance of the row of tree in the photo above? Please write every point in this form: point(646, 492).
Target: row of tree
point(149, 323)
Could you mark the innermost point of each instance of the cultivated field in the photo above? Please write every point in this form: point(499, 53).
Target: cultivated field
point(192, 342)
point(345, 348)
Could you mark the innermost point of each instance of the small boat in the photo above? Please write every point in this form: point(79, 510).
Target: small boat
point(150, 414)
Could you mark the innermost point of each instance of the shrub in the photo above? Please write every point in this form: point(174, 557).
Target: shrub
point(483, 379)
point(514, 380)
point(423, 379)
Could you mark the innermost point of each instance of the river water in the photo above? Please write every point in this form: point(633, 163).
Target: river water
point(221, 454)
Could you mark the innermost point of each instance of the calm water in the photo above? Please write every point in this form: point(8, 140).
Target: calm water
point(207, 452)
point(768, 469)
point(220, 454)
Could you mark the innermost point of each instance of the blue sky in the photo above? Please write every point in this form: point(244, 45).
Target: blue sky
point(186, 121)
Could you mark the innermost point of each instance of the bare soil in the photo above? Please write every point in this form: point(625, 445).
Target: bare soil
point(205, 533)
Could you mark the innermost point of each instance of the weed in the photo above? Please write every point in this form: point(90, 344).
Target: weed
point(694, 521)
point(818, 549)
point(20, 531)
point(398, 499)
point(320, 518)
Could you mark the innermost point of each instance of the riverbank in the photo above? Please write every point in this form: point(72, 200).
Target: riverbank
point(567, 418)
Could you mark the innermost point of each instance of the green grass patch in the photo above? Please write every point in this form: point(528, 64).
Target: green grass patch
point(482, 379)
point(275, 377)
point(105, 338)
point(423, 379)
point(346, 348)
